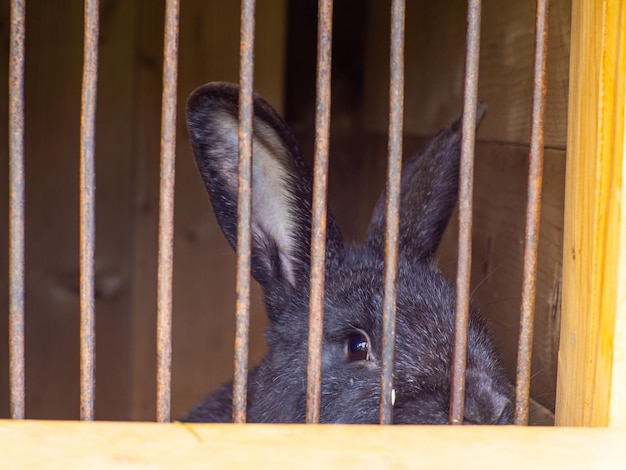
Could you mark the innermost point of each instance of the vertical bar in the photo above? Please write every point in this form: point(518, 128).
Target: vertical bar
point(166, 213)
point(394, 167)
point(533, 217)
point(318, 223)
point(466, 176)
point(87, 211)
point(244, 210)
point(16, 210)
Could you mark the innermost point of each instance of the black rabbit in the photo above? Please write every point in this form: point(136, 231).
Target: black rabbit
point(281, 225)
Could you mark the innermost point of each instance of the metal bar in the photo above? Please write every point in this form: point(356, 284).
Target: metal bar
point(244, 210)
point(533, 217)
point(166, 213)
point(466, 176)
point(87, 212)
point(392, 222)
point(16, 210)
point(318, 222)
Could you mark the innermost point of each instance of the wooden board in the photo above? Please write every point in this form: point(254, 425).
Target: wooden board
point(591, 388)
point(149, 445)
point(52, 96)
point(204, 272)
point(435, 61)
point(127, 166)
point(500, 182)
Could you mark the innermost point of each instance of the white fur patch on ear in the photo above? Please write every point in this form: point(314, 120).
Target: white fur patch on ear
point(271, 196)
point(225, 126)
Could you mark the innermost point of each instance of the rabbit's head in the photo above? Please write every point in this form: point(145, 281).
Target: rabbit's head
point(352, 337)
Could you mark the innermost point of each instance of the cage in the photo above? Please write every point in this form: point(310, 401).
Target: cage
point(578, 359)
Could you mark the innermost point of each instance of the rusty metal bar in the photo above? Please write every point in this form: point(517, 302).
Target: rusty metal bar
point(87, 211)
point(244, 210)
point(533, 217)
point(166, 213)
point(466, 177)
point(16, 210)
point(318, 222)
point(392, 221)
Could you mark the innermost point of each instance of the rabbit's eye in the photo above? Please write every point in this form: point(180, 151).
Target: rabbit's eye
point(358, 347)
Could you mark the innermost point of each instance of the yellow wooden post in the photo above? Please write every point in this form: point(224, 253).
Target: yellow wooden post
point(591, 386)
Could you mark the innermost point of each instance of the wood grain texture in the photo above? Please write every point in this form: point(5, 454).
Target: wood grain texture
point(591, 352)
point(497, 249)
point(204, 264)
point(127, 166)
point(611, 372)
point(52, 90)
point(435, 58)
point(149, 445)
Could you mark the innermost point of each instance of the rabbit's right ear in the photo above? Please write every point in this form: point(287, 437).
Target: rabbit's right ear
point(428, 194)
point(281, 184)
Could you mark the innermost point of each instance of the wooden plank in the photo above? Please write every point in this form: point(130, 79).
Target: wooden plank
point(611, 373)
point(617, 403)
point(204, 269)
point(52, 89)
point(435, 59)
point(149, 445)
point(610, 380)
point(591, 363)
point(114, 209)
point(500, 181)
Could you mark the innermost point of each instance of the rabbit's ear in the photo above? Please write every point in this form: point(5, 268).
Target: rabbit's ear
point(429, 190)
point(281, 183)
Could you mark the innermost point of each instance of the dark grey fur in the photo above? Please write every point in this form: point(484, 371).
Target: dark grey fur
point(353, 293)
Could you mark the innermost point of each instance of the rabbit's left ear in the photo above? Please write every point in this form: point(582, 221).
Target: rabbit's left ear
point(429, 190)
point(281, 184)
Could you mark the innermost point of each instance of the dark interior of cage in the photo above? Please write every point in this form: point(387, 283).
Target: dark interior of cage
point(127, 176)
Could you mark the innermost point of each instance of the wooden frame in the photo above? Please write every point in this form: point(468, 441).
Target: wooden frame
point(592, 366)
point(96, 445)
point(591, 386)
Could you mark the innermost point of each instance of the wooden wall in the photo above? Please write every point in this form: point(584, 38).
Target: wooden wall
point(204, 273)
point(127, 177)
point(127, 155)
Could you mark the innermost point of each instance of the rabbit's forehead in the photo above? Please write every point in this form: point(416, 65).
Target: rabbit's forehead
point(424, 305)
